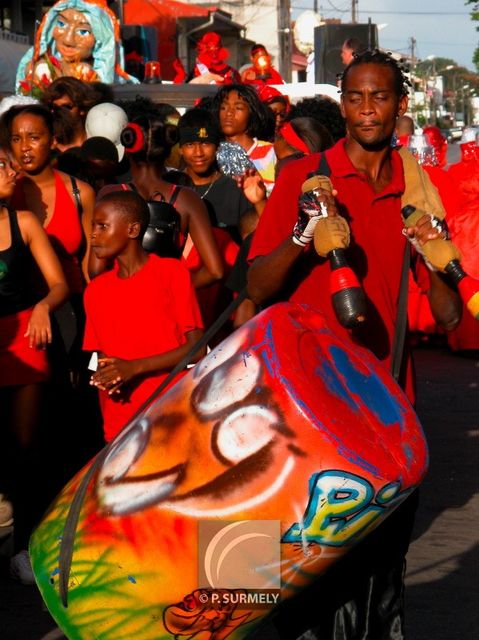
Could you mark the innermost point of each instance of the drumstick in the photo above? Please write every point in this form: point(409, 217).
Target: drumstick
point(331, 238)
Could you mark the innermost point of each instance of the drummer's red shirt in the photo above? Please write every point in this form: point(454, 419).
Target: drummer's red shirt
point(375, 253)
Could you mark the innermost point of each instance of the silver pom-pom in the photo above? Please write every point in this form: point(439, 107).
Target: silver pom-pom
point(232, 159)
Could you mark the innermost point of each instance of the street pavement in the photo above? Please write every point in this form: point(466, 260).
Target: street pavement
point(453, 153)
point(442, 596)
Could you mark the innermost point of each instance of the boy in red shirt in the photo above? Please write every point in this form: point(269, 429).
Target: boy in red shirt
point(142, 316)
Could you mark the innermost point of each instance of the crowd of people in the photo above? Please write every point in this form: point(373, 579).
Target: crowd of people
point(126, 228)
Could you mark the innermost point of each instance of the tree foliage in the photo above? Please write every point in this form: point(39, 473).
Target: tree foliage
point(475, 16)
point(454, 76)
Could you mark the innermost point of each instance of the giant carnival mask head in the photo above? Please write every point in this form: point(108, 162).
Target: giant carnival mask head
point(73, 35)
point(80, 31)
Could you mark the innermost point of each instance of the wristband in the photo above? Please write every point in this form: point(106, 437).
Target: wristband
point(298, 241)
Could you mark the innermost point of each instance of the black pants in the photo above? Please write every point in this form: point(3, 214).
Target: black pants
point(359, 598)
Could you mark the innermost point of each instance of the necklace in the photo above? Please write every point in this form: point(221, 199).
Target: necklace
point(215, 178)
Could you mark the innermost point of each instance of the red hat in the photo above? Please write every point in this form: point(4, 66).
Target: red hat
point(268, 94)
point(211, 38)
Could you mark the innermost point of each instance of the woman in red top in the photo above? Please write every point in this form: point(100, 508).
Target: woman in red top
point(49, 194)
point(25, 330)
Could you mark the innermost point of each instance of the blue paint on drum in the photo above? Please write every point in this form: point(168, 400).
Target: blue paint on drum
point(368, 387)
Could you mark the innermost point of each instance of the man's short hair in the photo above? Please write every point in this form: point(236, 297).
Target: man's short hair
point(405, 126)
point(353, 44)
point(375, 56)
point(130, 205)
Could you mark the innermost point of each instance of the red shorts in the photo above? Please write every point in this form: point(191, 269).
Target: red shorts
point(20, 364)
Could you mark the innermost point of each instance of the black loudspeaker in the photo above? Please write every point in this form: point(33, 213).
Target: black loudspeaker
point(140, 44)
point(328, 40)
point(142, 40)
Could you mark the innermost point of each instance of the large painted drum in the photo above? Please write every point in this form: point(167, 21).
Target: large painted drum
point(259, 469)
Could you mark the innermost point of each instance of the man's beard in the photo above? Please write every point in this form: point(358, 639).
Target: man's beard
point(378, 145)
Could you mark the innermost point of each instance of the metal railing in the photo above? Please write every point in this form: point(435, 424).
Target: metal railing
point(20, 38)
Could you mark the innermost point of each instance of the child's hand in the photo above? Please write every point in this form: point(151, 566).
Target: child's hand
point(252, 186)
point(112, 374)
point(39, 331)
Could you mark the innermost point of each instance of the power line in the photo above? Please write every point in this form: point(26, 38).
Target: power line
point(449, 44)
point(416, 13)
point(337, 8)
point(394, 13)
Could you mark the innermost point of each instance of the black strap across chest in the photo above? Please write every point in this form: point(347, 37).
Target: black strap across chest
point(76, 195)
point(400, 330)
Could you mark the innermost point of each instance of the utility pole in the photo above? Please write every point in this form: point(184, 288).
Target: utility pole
point(413, 72)
point(354, 11)
point(453, 104)
point(285, 46)
point(433, 95)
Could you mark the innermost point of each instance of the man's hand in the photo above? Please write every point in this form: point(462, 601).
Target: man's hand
point(112, 374)
point(312, 206)
point(427, 228)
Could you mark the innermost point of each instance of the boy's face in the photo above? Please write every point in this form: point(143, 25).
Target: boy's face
point(346, 55)
point(199, 157)
point(111, 232)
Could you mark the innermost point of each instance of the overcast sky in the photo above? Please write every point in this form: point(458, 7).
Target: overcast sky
point(441, 27)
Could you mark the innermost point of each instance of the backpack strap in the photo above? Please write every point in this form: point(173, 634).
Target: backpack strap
point(174, 194)
point(76, 195)
point(397, 351)
point(323, 166)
